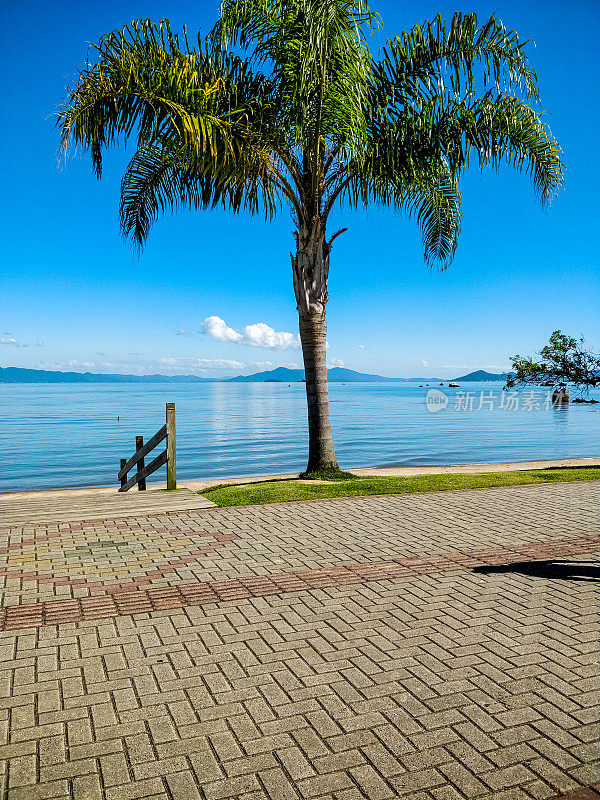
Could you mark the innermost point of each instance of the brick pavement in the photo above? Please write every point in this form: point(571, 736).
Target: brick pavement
point(440, 646)
point(80, 559)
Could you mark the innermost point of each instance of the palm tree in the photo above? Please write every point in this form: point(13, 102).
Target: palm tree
point(283, 105)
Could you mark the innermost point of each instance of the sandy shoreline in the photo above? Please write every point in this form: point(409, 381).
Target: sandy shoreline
point(438, 469)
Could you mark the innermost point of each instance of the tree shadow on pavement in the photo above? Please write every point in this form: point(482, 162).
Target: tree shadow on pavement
point(564, 570)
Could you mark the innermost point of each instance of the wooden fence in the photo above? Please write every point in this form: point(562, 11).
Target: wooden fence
point(138, 459)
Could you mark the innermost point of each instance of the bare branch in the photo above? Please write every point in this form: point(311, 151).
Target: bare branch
point(335, 235)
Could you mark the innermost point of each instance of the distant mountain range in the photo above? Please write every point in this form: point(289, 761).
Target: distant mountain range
point(18, 375)
point(334, 375)
point(482, 375)
point(278, 375)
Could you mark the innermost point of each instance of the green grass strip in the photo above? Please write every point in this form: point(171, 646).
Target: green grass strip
point(283, 491)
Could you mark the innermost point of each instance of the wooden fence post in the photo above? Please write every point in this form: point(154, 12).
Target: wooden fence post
point(171, 457)
point(124, 478)
point(139, 443)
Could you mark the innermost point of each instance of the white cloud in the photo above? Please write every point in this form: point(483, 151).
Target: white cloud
point(336, 362)
point(218, 329)
point(163, 366)
point(182, 364)
point(463, 368)
point(8, 340)
point(361, 347)
point(260, 366)
point(261, 335)
point(73, 365)
point(449, 366)
point(257, 335)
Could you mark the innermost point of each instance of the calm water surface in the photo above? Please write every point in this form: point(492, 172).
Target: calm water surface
point(68, 434)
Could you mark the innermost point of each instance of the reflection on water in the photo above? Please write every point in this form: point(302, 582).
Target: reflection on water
point(561, 413)
point(68, 434)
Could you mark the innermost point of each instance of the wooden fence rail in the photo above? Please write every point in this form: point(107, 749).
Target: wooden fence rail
point(138, 459)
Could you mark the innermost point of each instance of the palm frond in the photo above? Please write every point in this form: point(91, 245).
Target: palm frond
point(316, 53)
point(444, 135)
point(143, 80)
point(429, 193)
point(424, 124)
point(435, 58)
point(162, 178)
point(507, 129)
point(490, 130)
point(436, 203)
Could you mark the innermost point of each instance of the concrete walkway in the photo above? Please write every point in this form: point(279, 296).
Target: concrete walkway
point(430, 647)
point(34, 508)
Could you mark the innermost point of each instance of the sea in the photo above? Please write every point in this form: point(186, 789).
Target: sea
point(74, 435)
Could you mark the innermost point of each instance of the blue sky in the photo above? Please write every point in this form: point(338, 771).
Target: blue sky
point(75, 296)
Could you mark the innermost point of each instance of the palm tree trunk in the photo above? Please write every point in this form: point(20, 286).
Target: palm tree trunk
point(310, 266)
point(313, 333)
